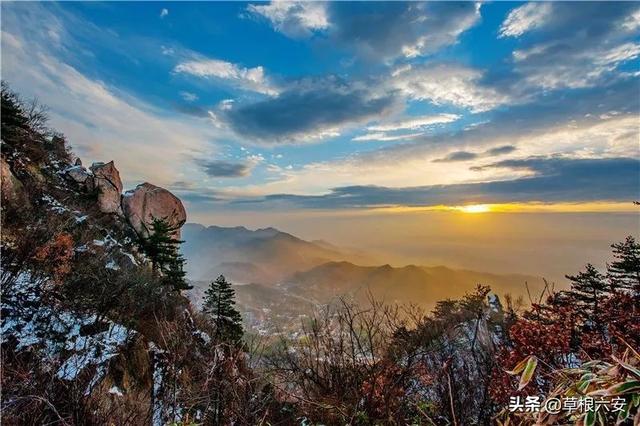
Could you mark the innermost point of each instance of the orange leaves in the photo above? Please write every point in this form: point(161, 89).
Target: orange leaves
point(56, 255)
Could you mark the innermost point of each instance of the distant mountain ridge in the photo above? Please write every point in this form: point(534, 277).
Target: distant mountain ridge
point(318, 271)
point(265, 256)
point(421, 285)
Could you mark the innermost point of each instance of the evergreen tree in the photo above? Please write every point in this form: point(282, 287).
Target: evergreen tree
point(588, 288)
point(13, 115)
point(624, 271)
point(219, 304)
point(162, 248)
point(175, 275)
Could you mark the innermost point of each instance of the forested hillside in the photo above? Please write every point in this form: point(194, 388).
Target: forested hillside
point(96, 329)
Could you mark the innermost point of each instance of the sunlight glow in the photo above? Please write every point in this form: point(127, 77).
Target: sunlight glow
point(475, 208)
point(532, 207)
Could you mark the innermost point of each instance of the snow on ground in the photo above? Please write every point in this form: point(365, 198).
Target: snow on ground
point(54, 205)
point(112, 264)
point(115, 391)
point(158, 378)
point(57, 333)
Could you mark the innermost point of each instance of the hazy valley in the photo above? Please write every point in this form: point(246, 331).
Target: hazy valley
point(281, 279)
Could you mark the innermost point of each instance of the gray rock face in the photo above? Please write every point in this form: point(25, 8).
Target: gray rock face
point(146, 202)
point(12, 189)
point(106, 179)
point(80, 175)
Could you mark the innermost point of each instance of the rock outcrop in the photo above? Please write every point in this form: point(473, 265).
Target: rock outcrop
point(12, 189)
point(147, 202)
point(106, 179)
point(139, 206)
point(80, 175)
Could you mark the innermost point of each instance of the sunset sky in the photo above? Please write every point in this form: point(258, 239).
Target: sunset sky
point(257, 113)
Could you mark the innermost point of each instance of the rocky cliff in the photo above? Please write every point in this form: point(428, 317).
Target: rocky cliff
point(89, 329)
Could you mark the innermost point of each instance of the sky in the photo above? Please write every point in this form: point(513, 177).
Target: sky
point(278, 112)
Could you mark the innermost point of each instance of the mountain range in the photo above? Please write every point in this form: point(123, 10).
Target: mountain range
point(265, 256)
point(280, 278)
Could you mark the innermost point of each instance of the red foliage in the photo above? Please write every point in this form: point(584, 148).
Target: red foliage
point(548, 341)
point(56, 255)
point(553, 334)
point(621, 313)
point(383, 391)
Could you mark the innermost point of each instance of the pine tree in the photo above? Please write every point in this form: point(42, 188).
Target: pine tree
point(588, 288)
point(219, 304)
point(162, 248)
point(624, 271)
point(175, 274)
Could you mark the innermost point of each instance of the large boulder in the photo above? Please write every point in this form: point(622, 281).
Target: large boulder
point(80, 175)
point(106, 179)
point(11, 187)
point(147, 202)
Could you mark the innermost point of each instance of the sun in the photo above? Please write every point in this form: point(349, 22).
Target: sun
point(475, 208)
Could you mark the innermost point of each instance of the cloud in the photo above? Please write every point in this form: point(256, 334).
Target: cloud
point(570, 45)
point(294, 19)
point(447, 84)
point(304, 114)
point(164, 12)
point(500, 150)
point(225, 169)
point(100, 121)
point(381, 30)
point(457, 156)
point(415, 123)
point(553, 180)
point(525, 18)
point(599, 122)
point(384, 137)
point(188, 96)
point(181, 185)
point(390, 29)
point(381, 132)
point(467, 156)
point(251, 79)
point(195, 195)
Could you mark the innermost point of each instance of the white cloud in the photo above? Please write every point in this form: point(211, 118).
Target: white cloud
point(384, 137)
point(577, 47)
point(615, 136)
point(445, 32)
point(252, 79)
point(415, 123)
point(578, 70)
point(167, 51)
point(188, 96)
point(447, 84)
point(632, 22)
point(164, 12)
point(226, 104)
point(525, 18)
point(294, 19)
point(622, 53)
point(100, 122)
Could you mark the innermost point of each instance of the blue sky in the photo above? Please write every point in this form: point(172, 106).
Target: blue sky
point(292, 106)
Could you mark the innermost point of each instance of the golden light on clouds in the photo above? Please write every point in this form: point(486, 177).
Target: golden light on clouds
point(533, 207)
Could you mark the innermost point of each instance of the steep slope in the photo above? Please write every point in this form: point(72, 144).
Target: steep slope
point(264, 256)
point(87, 324)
